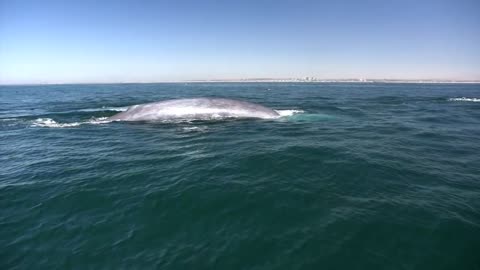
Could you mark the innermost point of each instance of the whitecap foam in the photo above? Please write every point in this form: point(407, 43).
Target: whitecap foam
point(98, 120)
point(284, 113)
point(465, 99)
point(50, 123)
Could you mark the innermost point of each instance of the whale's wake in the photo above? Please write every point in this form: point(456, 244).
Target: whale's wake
point(50, 123)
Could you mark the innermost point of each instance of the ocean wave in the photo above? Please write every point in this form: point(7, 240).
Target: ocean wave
point(115, 109)
point(465, 99)
point(11, 122)
point(45, 113)
point(195, 129)
point(7, 119)
point(50, 123)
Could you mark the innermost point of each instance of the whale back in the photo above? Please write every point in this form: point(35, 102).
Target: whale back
point(195, 109)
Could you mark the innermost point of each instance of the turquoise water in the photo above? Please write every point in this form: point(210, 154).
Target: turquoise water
point(363, 176)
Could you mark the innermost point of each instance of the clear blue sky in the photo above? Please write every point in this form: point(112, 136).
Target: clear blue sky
point(118, 41)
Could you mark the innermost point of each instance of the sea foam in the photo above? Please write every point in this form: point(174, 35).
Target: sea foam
point(50, 123)
point(465, 99)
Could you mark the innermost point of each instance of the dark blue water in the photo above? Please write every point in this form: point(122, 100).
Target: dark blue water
point(369, 176)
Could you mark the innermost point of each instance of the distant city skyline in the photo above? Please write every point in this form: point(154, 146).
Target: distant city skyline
point(89, 41)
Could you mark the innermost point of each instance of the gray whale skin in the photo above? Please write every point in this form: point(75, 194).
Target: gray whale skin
point(196, 109)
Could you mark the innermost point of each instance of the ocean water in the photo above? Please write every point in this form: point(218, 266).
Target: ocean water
point(352, 176)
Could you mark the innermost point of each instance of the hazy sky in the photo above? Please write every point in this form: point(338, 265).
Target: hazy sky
point(121, 41)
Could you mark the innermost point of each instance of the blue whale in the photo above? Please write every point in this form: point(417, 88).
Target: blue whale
point(195, 109)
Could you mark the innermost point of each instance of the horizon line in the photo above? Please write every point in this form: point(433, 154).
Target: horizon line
point(306, 79)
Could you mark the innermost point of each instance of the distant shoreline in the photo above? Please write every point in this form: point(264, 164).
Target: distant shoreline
point(359, 81)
